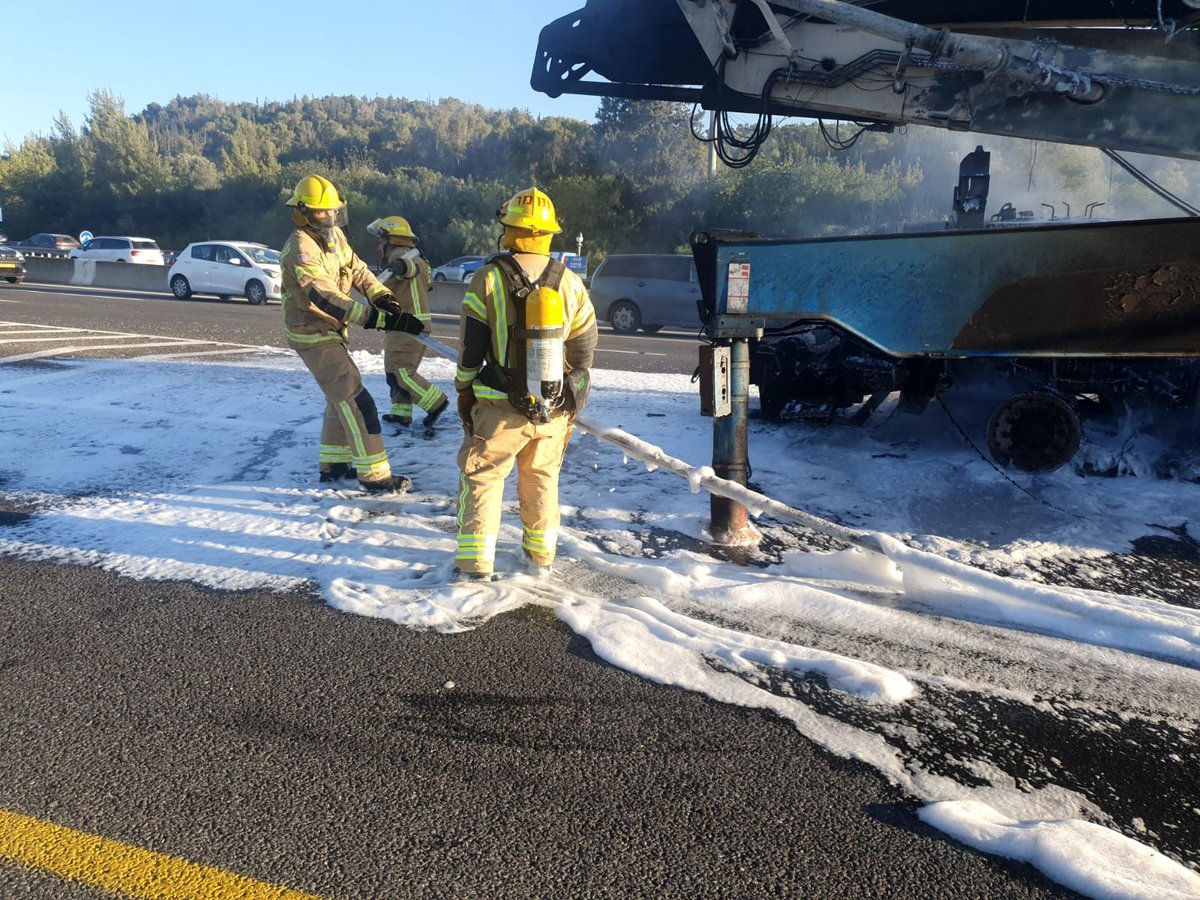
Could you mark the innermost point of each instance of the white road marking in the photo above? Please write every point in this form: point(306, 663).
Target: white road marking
point(630, 352)
point(60, 351)
point(59, 333)
point(226, 351)
point(77, 336)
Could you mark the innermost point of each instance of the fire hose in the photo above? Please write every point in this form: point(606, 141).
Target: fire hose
point(702, 476)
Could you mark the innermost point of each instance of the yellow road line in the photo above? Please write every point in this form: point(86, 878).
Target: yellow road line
point(123, 868)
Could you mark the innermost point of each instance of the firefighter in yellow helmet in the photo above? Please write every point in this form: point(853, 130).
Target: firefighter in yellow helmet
point(407, 276)
point(527, 337)
point(319, 271)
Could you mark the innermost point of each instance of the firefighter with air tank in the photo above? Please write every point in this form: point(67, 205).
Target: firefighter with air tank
point(527, 338)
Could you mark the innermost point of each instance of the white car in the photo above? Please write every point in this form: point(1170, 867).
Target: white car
point(453, 270)
point(227, 269)
point(120, 249)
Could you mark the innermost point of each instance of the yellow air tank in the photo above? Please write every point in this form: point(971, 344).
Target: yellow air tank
point(544, 348)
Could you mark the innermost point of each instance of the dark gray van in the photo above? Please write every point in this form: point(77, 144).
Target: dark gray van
point(646, 291)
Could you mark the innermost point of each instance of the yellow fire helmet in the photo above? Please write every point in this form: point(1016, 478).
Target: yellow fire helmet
point(393, 229)
point(531, 210)
point(315, 192)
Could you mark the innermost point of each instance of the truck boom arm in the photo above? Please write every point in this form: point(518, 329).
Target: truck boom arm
point(1048, 70)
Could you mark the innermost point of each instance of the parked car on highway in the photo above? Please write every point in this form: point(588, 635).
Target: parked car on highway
point(120, 249)
point(469, 268)
point(12, 264)
point(646, 291)
point(50, 243)
point(453, 270)
point(227, 269)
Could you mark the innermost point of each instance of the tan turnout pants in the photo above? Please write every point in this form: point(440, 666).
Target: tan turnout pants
point(350, 432)
point(402, 354)
point(500, 436)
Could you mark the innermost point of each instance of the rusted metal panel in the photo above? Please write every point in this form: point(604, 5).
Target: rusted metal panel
point(1116, 288)
point(1143, 311)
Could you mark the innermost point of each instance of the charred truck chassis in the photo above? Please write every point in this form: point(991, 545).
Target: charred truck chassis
point(1087, 316)
point(1093, 313)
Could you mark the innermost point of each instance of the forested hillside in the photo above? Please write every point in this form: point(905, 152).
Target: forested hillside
point(635, 180)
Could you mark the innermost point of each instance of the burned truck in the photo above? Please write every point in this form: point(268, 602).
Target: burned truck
point(1079, 316)
point(1063, 319)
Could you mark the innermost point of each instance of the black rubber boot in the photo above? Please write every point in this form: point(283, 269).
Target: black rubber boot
point(396, 420)
point(338, 471)
point(393, 484)
point(460, 576)
point(432, 416)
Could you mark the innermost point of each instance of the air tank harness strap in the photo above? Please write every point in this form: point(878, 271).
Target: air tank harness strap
point(510, 377)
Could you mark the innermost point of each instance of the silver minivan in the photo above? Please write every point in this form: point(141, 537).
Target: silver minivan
point(646, 291)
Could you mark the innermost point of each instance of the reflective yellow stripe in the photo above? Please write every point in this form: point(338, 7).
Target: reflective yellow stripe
point(298, 338)
point(416, 299)
point(540, 541)
point(483, 392)
point(425, 397)
point(358, 448)
point(403, 410)
point(475, 305)
point(123, 868)
point(477, 547)
point(359, 312)
point(373, 467)
point(334, 453)
point(500, 308)
point(583, 322)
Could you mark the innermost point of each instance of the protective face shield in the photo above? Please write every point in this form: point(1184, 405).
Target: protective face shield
point(394, 230)
point(317, 203)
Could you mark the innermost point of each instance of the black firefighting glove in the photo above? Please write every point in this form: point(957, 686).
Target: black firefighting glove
point(388, 304)
point(405, 322)
point(579, 388)
point(377, 320)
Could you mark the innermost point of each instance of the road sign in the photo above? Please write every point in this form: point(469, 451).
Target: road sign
point(84, 237)
point(577, 264)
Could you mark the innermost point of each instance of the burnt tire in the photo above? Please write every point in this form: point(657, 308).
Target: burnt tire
point(180, 288)
point(624, 317)
point(1034, 432)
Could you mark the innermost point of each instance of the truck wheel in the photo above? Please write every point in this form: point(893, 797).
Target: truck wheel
point(180, 287)
point(255, 292)
point(1034, 432)
point(624, 317)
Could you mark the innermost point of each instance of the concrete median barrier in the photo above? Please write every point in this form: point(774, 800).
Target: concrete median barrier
point(445, 297)
point(90, 273)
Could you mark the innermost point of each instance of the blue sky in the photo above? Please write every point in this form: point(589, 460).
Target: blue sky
point(147, 52)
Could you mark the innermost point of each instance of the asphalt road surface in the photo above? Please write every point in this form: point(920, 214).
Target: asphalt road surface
point(115, 318)
point(271, 736)
point(267, 735)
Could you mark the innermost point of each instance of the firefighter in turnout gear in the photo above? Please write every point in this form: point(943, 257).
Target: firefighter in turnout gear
point(407, 276)
point(527, 336)
point(319, 270)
